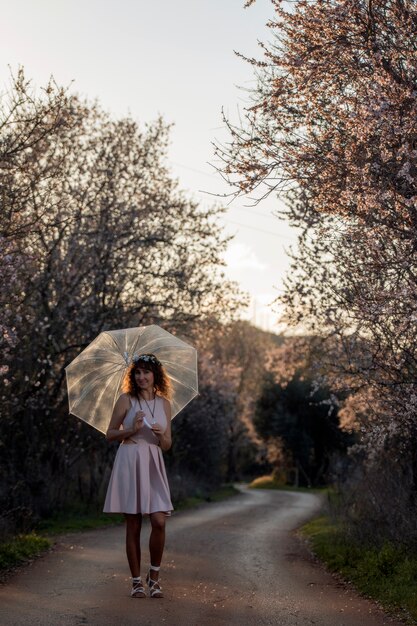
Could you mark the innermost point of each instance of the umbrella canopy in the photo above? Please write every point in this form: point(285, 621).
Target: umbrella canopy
point(95, 376)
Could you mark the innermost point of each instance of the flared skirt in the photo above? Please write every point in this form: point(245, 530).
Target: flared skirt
point(138, 482)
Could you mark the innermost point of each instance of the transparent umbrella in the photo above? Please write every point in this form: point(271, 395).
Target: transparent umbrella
point(95, 376)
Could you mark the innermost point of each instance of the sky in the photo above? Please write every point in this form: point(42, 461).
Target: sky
point(174, 58)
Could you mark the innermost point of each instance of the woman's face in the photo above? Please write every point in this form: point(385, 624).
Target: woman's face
point(144, 379)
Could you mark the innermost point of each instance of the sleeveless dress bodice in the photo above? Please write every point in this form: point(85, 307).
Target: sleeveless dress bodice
point(159, 417)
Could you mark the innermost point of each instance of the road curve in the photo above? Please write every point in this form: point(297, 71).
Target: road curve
point(236, 563)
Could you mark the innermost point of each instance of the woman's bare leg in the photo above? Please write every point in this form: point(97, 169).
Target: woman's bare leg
point(157, 541)
point(133, 528)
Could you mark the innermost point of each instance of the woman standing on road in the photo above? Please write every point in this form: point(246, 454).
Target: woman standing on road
point(138, 485)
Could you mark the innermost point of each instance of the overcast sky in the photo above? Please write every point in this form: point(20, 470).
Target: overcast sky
point(174, 58)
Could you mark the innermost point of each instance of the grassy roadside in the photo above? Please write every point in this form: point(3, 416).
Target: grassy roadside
point(269, 482)
point(21, 549)
point(25, 547)
point(386, 574)
point(222, 493)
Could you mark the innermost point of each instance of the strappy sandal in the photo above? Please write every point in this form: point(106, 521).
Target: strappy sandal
point(155, 589)
point(138, 590)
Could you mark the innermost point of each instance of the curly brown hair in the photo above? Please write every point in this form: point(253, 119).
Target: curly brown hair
point(162, 384)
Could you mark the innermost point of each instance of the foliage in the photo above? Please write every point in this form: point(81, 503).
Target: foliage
point(21, 549)
point(236, 358)
point(200, 437)
point(213, 438)
point(223, 492)
point(303, 423)
point(71, 520)
point(331, 128)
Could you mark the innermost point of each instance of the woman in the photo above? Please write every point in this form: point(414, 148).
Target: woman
point(138, 485)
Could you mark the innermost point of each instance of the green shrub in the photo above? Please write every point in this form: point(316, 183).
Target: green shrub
point(20, 549)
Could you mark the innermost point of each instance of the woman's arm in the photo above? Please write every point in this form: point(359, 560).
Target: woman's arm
point(114, 433)
point(165, 440)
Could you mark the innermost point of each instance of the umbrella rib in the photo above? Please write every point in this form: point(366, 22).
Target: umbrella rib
point(107, 373)
point(97, 357)
point(180, 383)
point(90, 386)
point(114, 342)
point(104, 389)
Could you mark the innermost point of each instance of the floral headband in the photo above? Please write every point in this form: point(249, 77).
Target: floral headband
point(146, 358)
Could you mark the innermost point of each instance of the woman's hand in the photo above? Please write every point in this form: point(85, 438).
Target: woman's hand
point(115, 432)
point(157, 430)
point(138, 422)
point(164, 435)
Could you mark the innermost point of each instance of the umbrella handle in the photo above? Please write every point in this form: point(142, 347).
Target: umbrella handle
point(146, 422)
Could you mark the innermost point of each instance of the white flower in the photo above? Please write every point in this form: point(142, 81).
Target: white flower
point(144, 357)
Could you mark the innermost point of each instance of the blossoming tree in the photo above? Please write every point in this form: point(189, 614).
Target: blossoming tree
point(94, 234)
point(331, 127)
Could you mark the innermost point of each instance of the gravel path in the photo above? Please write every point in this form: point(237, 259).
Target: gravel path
point(234, 563)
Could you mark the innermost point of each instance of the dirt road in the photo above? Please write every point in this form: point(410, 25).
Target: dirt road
point(234, 563)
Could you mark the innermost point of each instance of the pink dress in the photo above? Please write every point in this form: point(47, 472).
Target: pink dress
point(138, 482)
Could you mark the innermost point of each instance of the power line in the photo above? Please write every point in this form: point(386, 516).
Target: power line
point(267, 232)
point(268, 217)
point(193, 169)
point(261, 230)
